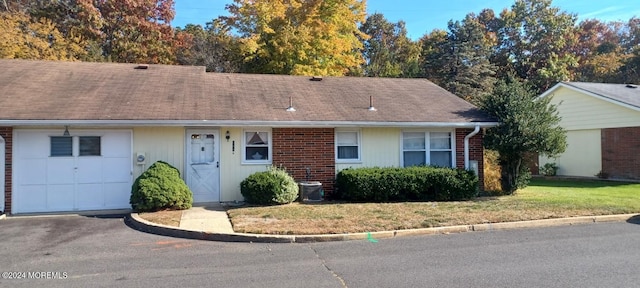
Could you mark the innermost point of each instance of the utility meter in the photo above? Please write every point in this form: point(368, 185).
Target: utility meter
point(140, 158)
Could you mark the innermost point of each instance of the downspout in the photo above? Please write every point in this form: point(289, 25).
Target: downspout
point(466, 146)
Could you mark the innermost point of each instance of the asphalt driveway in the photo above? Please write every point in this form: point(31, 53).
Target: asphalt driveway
point(104, 252)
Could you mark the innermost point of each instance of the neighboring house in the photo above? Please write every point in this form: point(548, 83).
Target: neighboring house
point(603, 129)
point(78, 134)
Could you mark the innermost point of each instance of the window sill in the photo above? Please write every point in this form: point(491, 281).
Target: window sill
point(348, 161)
point(255, 162)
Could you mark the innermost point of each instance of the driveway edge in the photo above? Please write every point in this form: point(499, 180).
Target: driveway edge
point(135, 221)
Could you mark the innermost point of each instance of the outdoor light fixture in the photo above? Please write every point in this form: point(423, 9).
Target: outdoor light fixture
point(227, 135)
point(66, 131)
point(291, 109)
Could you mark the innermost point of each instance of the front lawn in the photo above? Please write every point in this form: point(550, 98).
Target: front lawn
point(543, 199)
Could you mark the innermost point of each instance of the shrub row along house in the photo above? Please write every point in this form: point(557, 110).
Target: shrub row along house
point(74, 135)
point(603, 129)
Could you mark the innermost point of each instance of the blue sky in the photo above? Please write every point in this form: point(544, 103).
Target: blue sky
point(422, 16)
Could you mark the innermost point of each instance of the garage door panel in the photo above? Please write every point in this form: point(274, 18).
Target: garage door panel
point(116, 145)
point(32, 198)
point(119, 170)
point(44, 183)
point(117, 195)
point(89, 170)
point(89, 196)
point(58, 197)
point(60, 170)
point(32, 171)
point(33, 145)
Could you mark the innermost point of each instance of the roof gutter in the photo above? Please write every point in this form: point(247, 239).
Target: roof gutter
point(466, 145)
point(253, 123)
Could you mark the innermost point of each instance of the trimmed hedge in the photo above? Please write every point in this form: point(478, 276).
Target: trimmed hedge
point(274, 186)
point(160, 187)
point(422, 183)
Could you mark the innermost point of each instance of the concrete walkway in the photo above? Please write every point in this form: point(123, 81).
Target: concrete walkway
point(210, 222)
point(211, 218)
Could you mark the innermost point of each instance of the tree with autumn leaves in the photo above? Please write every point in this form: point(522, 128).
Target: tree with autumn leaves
point(133, 31)
point(533, 40)
point(22, 38)
point(299, 37)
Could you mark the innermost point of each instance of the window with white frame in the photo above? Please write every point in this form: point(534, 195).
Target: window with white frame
point(64, 146)
point(257, 147)
point(427, 148)
point(347, 146)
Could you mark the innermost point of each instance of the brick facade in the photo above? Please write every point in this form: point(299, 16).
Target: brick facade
point(298, 148)
point(475, 152)
point(621, 152)
point(7, 135)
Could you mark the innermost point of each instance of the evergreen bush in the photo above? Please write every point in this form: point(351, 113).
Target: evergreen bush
point(406, 184)
point(159, 188)
point(274, 186)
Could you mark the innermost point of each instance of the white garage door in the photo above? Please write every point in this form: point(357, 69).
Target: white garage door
point(88, 170)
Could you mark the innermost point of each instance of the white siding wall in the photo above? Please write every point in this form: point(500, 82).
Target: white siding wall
point(580, 111)
point(159, 144)
point(582, 157)
point(380, 147)
point(232, 172)
point(167, 144)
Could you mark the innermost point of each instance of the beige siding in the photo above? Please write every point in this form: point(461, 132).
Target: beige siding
point(380, 147)
point(582, 157)
point(581, 111)
point(159, 144)
point(167, 144)
point(232, 172)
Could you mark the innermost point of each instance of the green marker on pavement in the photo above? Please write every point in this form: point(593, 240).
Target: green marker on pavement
point(370, 238)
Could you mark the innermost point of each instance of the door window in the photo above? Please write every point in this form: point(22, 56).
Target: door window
point(202, 148)
point(89, 145)
point(61, 146)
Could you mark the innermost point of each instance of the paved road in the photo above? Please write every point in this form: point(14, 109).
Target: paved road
point(104, 252)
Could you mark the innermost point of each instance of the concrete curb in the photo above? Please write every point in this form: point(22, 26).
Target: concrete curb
point(135, 221)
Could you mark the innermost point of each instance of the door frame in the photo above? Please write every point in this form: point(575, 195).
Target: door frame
point(216, 152)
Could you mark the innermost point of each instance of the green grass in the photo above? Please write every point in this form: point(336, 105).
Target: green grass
point(543, 199)
point(617, 196)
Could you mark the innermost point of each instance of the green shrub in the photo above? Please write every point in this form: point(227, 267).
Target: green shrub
point(549, 169)
point(274, 186)
point(160, 187)
point(405, 184)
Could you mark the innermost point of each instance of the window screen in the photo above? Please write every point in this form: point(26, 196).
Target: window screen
point(61, 146)
point(89, 145)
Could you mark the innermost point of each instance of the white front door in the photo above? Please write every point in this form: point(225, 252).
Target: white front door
point(203, 164)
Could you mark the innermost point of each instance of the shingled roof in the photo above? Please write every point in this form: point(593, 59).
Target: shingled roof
point(147, 94)
point(623, 94)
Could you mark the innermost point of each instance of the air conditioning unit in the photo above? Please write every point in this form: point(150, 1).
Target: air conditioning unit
point(311, 191)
